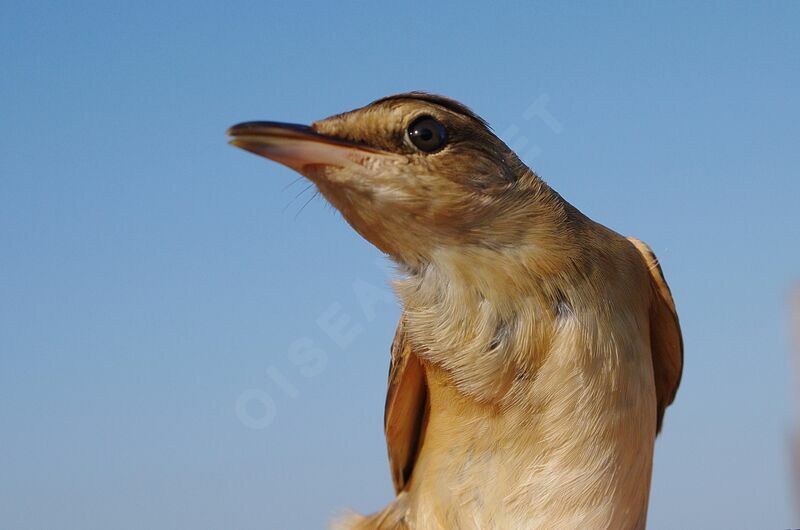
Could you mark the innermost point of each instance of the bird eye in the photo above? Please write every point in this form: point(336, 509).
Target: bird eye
point(427, 134)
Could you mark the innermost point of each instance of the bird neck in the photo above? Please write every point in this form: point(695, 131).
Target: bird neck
point(487, 314)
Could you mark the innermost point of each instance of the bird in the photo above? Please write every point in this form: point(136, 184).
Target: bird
point(536, 351)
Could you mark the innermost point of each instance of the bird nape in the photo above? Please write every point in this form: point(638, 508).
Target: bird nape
point(537, 349)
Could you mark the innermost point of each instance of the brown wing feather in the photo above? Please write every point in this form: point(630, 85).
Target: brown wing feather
point(406, 409)
point(666, 341)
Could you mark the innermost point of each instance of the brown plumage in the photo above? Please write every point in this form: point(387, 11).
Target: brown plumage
point(537, 350)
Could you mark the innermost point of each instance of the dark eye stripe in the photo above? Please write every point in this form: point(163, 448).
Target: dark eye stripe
point(427, 134)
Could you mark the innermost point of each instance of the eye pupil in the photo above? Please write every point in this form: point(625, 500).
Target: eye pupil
point(427, 134)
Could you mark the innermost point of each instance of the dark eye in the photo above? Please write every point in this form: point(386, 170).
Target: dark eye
point(427, 134)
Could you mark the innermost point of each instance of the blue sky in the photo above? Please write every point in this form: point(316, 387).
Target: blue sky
point(158, 288)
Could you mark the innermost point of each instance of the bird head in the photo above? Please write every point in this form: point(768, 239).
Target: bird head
point(411, 173)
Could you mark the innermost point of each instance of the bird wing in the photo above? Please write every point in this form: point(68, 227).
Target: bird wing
point(666, 341)
point(406, 409)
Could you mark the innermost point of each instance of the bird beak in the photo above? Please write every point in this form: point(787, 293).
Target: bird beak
point(296, 146)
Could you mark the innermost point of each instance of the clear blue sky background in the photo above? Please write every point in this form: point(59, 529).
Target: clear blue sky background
point(151, 276)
